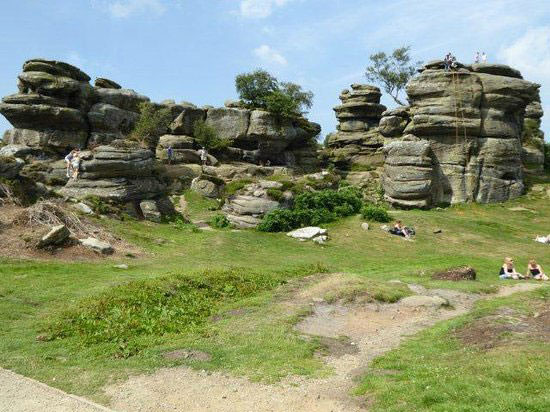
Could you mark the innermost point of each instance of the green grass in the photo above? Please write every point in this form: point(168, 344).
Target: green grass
point(260, 342)
point(435, 371)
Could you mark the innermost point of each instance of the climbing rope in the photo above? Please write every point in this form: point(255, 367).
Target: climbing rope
point(458, 107)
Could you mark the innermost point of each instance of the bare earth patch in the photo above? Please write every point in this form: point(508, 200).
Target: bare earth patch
point(353, 334)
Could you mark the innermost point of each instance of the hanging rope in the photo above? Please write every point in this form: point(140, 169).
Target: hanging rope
point(458, 107)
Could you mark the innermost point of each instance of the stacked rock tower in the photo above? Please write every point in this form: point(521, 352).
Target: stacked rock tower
point(357, 142)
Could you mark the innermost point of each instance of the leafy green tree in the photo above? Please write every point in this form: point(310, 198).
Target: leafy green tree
point(207, 137)
point(392, 71)
point(152, 123)
point(255, 87)
point(261, 90)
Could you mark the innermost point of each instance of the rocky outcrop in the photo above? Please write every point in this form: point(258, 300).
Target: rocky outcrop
point(463, 137)
point(533, 138)
point(357, 141)
point(256, 136)
point(49, 111)
point(116, 173)
point(247, 208)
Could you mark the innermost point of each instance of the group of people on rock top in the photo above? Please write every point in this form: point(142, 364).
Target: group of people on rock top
point(534, 271)
point(451, 62)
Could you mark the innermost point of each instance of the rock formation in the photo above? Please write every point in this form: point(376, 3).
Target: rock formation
point(357, 142)
point(56, 110)
point(533, 138)
point(463, 140)
point(247, 208)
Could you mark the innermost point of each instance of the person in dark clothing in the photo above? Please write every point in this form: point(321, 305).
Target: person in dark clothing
point(534, 270)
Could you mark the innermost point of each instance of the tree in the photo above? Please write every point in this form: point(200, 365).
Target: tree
point(253, 88)
point(153, 122)
point(206, 136)
point(393, 71)
point(261, 90)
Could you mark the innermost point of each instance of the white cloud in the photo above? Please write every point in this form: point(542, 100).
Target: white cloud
point(269, 55)
point(259, 9)
point(125, 8)
point(530, 54)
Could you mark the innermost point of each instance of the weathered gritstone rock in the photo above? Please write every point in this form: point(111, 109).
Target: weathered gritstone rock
point(247, 208)
point(10, 167)
point(358, 140)
point(533, 138)
point(115, 173)
point(108, 123)
point(208, 185)
point(465, 137)
point(49, 112)
point(103, 83)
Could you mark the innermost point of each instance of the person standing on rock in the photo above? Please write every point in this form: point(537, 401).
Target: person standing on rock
point(75, 164)
point(204, 156)
point(68, 162)
point(477, 58)
point(447, 61)
point(169, 154)
point(483, 57)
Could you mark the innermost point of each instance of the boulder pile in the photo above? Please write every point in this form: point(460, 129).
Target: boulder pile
point(247, 208)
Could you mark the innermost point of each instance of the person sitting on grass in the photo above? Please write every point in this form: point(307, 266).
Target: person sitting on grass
point(508, 271)
point(534, 270)
point(400, 230)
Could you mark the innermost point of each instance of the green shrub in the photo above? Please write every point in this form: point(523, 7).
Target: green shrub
point(207, 137)
point(233, 187)
point(100, 206)
point(219, 221)
point(275, 194)
point(375, 213)
point(152, 123)
point(313, 209)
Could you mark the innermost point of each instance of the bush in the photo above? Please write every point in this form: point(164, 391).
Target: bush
point(261, 90)
point(275, 194)
point(233, 187)
point(376, 214)
point(313, 209)
point(206, 136)
point(220, 222)
point(152, 123)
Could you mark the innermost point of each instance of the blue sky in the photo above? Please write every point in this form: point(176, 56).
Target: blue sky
point(192, 49)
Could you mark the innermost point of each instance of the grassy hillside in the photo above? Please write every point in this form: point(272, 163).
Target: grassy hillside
point(262, 344)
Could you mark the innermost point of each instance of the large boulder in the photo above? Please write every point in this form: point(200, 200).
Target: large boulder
point(247, 208)
point(185, 121)
point(125, 99)
point(229, 123)
point(10, 167)
point(208, 186)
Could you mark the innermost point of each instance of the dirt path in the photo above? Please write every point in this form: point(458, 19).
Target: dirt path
point(354, 334)
point(21, 394)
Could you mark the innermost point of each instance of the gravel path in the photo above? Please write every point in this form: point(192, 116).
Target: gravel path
point(21, 394)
